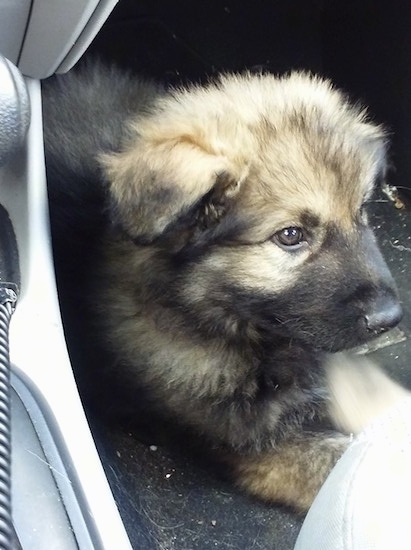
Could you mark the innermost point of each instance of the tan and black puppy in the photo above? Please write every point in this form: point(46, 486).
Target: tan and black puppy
point(237, 258)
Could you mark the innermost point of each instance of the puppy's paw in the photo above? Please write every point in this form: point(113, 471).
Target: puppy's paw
point(359, 391)
point(292, 473)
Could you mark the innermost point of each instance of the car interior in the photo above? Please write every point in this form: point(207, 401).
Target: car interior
point(77, 480)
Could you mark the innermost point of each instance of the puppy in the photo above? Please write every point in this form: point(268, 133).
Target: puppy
point(231, 255)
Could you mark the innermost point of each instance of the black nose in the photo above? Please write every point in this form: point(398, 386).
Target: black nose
point(385, 313)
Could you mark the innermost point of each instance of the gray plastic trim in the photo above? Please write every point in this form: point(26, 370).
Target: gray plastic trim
point(14, 109)
point(13, 23)
point(96, 21)
point(35, 494)
point(38, 350)
point(60, 31)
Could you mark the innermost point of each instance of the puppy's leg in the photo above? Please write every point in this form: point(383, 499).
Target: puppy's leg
point(293, 472)
point(359, 391)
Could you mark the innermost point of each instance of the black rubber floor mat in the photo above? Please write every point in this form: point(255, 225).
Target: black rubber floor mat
point(170, 502)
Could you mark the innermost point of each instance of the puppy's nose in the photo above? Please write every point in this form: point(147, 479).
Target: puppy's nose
point(385, 313)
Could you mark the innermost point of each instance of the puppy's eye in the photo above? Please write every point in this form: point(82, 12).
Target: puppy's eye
point(289, 238)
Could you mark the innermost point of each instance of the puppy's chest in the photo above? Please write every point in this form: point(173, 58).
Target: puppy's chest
point(284, 367)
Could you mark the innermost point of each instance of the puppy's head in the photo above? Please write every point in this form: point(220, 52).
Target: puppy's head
point(258, 186)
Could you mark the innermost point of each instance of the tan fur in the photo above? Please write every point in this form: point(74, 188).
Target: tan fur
point(294, 474)
point(268, 135)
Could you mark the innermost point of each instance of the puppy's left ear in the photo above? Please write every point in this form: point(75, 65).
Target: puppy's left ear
point(158, 180)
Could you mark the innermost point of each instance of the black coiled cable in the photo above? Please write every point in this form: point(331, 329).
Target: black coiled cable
point(8, 540)
point(14, 123)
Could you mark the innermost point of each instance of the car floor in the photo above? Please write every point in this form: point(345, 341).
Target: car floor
point(168, 498)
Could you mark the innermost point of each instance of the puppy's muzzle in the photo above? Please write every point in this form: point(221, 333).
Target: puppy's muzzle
point(383, 313)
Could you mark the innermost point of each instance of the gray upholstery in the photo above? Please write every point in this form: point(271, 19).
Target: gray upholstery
point(364, 504)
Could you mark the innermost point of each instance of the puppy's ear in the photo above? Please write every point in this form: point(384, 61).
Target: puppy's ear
point(155, 182)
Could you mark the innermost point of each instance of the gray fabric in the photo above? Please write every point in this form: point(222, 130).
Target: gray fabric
point(365, 502)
